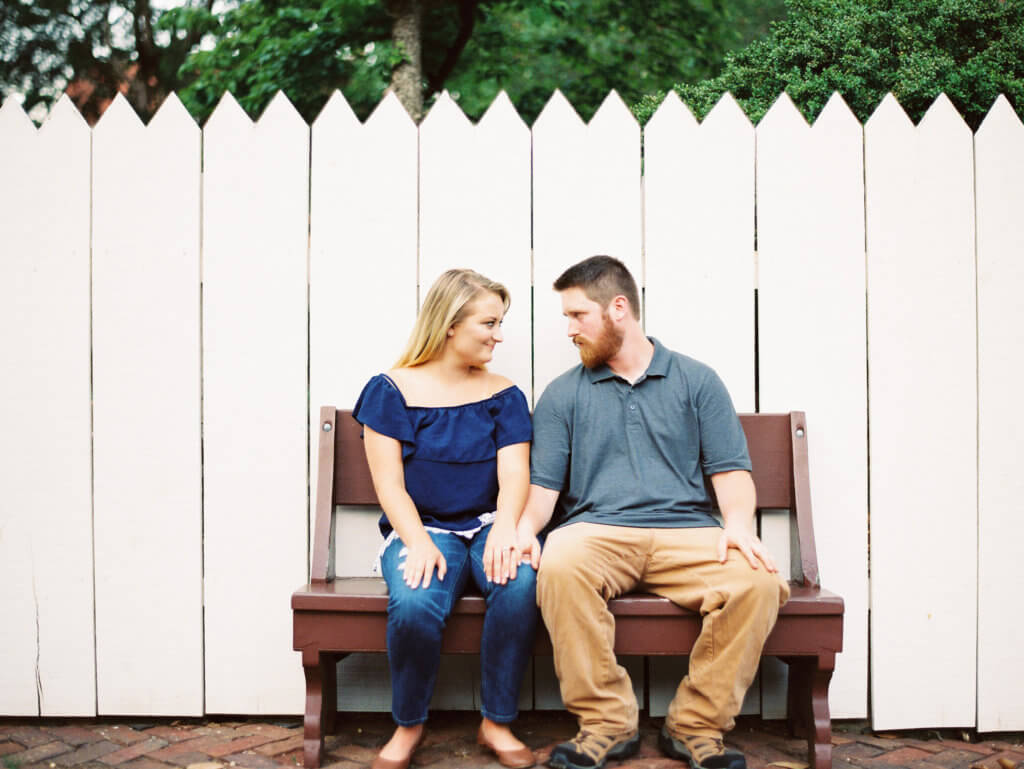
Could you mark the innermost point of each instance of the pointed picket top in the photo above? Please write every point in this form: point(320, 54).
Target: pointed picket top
point(281, 112)
point(725, 112)
point(14, 121)
point(229, 113)
point(672, 116)
point(888, 113)
point(1001, 120)
point(837, 115)
point(943, 116)
point(502, 116)
point(390, 109)
point(390, 113)
point(613, 109)
point(783, 116)
point(557, 112)
point(445, 115)
point(119, 117)
point(337, 110)
point(172, 116)
point(64, 116)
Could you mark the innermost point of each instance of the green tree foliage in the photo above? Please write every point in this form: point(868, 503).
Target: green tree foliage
point(473, 48)
point(98, 47)
point(972, 50)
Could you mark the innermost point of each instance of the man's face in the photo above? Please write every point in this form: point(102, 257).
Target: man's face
point(590, 328)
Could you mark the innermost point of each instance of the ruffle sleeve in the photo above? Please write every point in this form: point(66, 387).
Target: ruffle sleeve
point(511, 415)
point(382, 408)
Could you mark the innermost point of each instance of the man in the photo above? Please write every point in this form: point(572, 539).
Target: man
point(621, 446)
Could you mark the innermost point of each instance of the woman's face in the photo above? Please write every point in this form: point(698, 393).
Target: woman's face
point(473, 338)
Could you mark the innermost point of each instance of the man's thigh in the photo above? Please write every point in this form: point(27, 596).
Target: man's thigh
point(684, 567)
point(607, 558)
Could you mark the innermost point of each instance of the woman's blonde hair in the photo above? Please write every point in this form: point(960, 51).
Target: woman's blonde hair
point(444, 306)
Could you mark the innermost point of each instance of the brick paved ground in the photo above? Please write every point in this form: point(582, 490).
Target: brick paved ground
point(450, 744)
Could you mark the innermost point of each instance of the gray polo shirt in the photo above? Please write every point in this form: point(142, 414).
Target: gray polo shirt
point(636, 455)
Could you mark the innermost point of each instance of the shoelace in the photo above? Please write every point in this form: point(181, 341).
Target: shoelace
point(592, 745)
point(704, 747)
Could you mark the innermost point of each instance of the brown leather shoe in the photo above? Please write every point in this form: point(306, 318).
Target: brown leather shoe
point(520, 758)
point(397, 763)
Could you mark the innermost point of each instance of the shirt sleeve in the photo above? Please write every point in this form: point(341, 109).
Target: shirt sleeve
point(381, 408)
point(511, 418)
point(549, 457)
point(723, 444)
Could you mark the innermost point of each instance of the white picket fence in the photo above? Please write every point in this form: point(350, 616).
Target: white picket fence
point(175, 305)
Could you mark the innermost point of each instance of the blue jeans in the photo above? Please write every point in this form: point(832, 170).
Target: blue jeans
point(416, 620)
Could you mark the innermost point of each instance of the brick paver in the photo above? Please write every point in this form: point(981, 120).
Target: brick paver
point(450, 744)
point(87, 753)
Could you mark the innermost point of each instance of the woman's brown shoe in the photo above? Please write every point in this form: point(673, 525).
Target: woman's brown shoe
point(397, 763)
point(519, 758)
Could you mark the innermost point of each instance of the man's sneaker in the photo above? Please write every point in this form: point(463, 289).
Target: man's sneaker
point(591, 751)
point(700, 752)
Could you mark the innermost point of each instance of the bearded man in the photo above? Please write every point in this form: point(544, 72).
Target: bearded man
point(621, 448)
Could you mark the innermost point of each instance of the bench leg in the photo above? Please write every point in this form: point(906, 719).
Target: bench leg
point(809, 717)
point(321, 704)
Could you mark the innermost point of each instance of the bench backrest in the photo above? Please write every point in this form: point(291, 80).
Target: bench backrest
point(778, 454)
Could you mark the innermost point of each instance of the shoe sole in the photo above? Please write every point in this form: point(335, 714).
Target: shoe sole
point(621, 751)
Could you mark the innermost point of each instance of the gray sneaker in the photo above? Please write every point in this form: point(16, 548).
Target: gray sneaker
point(591, 751)
point(700, 752)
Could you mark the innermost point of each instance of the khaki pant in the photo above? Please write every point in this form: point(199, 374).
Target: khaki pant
point(585, 564)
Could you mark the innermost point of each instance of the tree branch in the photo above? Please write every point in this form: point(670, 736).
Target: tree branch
point(467, 20)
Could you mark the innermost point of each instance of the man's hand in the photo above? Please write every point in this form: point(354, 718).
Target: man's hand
point(748, 544)
point(527, 547)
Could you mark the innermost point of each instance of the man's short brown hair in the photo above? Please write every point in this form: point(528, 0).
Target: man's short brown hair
point(602, 278)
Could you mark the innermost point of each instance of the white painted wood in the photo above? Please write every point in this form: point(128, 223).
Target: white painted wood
point(146, 436)
point(255, 231)
point(923, 417)
point(47, 635)
point(475, 212)
point(363, 237)
point(999, 155)
point(699, 238)
point(775, 534)
point(586, 201)
point(811, 277)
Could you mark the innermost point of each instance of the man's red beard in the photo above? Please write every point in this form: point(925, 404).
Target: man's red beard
point(599, 351)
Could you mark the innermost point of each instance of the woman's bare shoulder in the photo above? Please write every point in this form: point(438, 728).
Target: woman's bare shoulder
point(496, 383)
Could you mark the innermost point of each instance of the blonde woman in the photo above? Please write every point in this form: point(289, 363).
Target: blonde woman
point(448, 444)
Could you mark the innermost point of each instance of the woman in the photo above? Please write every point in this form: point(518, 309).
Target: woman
point(448, 447)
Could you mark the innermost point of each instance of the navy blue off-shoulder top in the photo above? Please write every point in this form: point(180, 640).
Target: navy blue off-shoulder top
point(450, 453)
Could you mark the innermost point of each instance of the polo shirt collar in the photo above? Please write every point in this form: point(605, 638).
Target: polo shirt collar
point(657, 367)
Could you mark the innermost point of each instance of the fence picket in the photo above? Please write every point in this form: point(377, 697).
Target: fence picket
point(999, 153)
point(586, 201)
point(362, 273)
point(475, 212)
point(922, 393)
point(146, 390)
point(255, 231)
point(46, 590)
point(699, 238)
point(698, 257)
point(810, 235)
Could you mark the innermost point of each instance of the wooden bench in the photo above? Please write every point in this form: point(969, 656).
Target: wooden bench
point(335, 617)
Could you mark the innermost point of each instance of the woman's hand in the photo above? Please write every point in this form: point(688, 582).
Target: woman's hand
point(420, 561)
point(499, 564)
